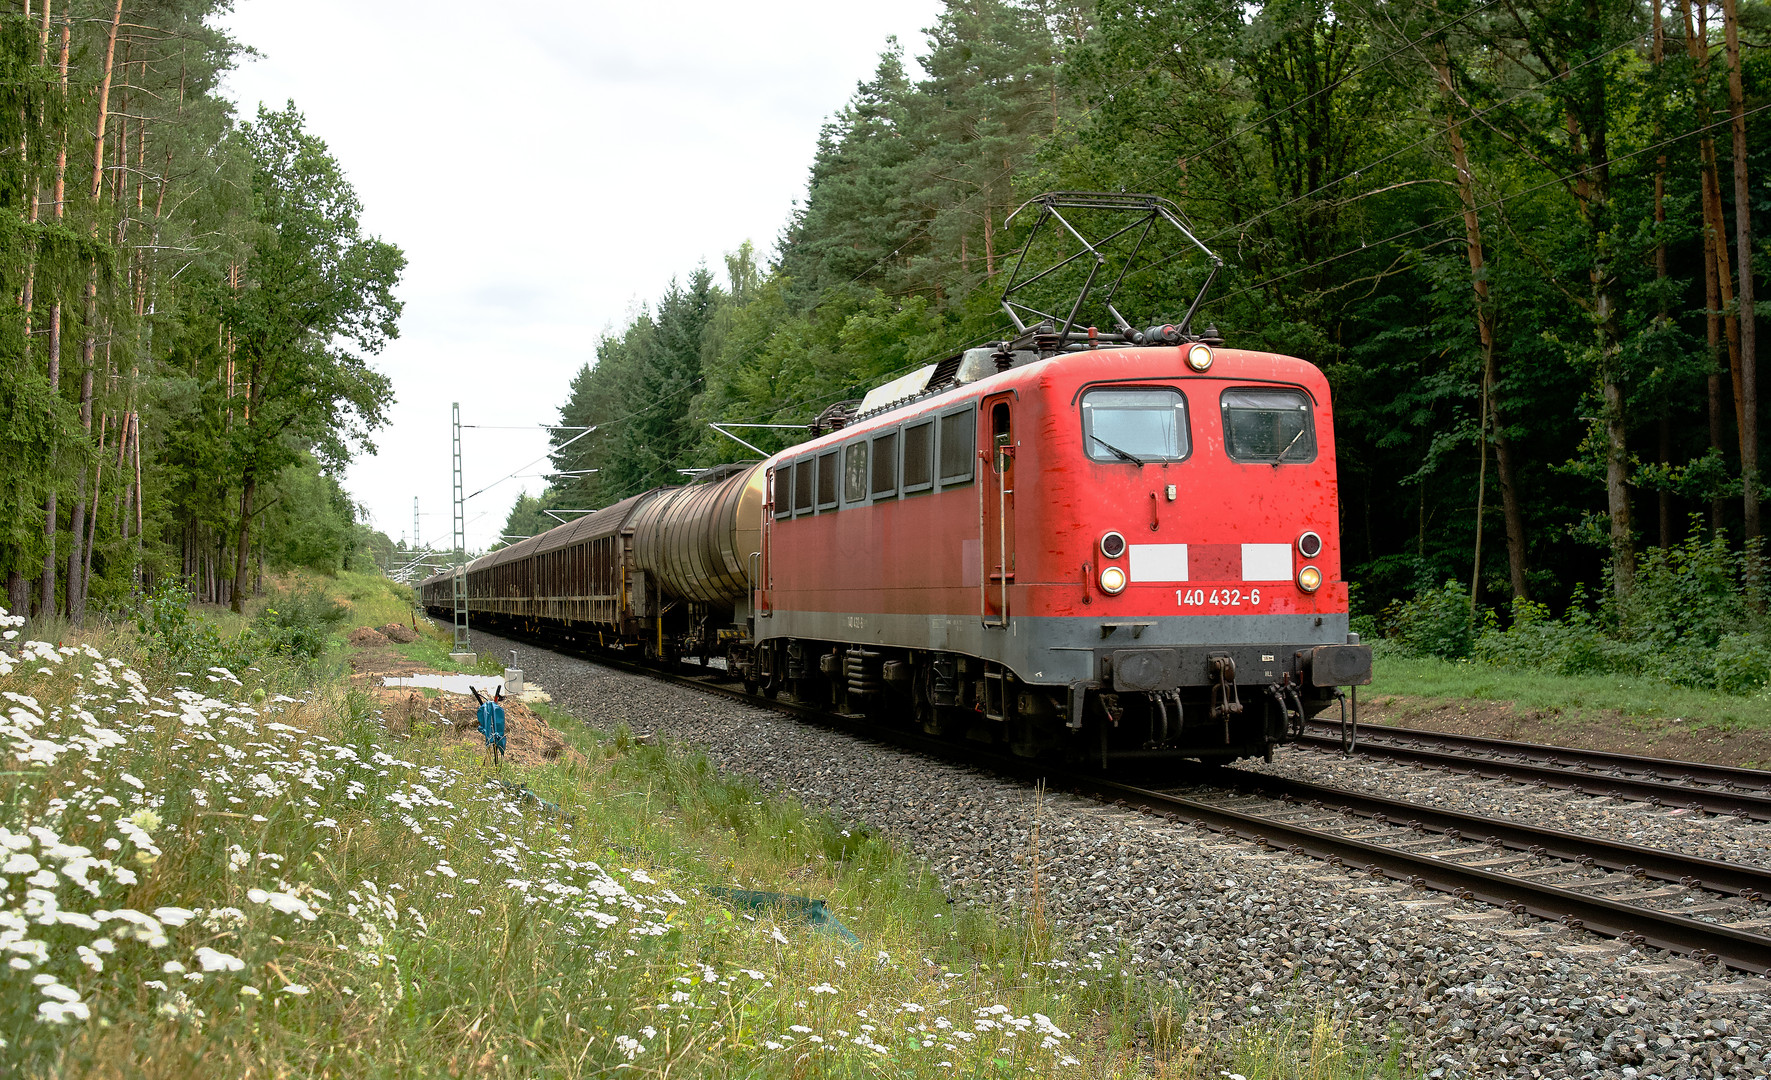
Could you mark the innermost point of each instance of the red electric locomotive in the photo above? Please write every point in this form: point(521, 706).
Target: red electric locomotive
point(1101, 546)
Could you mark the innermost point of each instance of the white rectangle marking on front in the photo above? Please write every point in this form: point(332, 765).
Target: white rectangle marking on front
point(1159, 562)
point(1266, 562)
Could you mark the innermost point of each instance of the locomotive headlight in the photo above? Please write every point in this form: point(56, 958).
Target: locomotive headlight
point(1309, 545)
point(1198, 356)
point(1112, 581)
point(1309, 579)
point(1112, 545)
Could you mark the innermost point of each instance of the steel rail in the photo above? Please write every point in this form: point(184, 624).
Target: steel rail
point(1602, 761)
point(1658, 792)
point(1707, 943)
point(1738, 879)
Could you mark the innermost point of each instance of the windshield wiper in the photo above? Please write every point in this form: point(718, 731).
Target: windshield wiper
point(1121, 454)
point(1289, 445)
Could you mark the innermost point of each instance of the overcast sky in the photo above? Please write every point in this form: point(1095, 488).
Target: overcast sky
point(547, 172)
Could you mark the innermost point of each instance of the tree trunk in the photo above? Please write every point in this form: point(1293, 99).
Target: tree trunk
point(1712, 317)
point(77, 556)
point(1485, 331)
point(1665, 428)
point(98, 470)
point(49, 508)
point(136, 453)
point(77, 519)
point(1743, 249)
point(1593, 192)
point(1717, 276)
point(243, 550)
point(1617, 492)
point(1666, 495)
point(36, 186)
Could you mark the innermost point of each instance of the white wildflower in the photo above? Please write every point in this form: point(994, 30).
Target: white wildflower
point(218, 961)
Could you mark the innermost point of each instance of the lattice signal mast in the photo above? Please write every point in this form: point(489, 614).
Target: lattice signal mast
point(459, 558)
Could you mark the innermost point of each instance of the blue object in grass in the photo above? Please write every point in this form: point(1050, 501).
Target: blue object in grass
point(492, 723)
point(798, 909)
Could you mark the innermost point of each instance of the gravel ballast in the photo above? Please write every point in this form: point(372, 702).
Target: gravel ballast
point(1457, 989)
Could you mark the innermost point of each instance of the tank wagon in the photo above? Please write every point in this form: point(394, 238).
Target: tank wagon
point(1089, 546)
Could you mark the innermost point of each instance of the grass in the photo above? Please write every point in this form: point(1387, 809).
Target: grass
point(371, 600)
point(1574, 697)
point(251, 876)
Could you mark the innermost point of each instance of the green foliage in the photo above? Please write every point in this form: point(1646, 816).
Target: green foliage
point(1436, 622)
point(1693, 620)
point(297, 624)
point(308, 520)
point(1572, 645)
point(294, 627)
point(175, 638)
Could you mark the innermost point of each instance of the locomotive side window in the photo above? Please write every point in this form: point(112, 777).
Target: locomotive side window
point(827, 481)
point(783, 490)
point(854, 473)
point(958, 430)
point(885, 465)
point(1137, 425)
point(1268, 425)
point(802, 486)
point(919, 456)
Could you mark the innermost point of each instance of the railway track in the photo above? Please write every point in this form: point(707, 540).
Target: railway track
point(1582, 882)
point(1715, 789)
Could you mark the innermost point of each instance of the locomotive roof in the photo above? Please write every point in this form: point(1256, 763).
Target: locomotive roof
point(1236, 364)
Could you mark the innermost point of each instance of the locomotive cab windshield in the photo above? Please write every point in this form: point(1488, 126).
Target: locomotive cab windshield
point(1137, 425)
point(1269, 425)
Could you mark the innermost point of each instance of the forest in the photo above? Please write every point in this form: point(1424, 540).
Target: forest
point(185, 366)
point(1517, 235)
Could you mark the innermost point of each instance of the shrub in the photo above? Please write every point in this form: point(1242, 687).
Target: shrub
point(298, 624)
point(175, 638)
point(1691, 594)
point(1690, 622)
point(1435, 623)
point(1741, 663)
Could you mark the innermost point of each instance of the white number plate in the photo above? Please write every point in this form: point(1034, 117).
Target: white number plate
point(1218, 597)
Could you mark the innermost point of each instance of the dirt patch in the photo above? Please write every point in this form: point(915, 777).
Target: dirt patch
point(528, 739)
point(383, 659)
point(363, 635)
point(1592, 730)
point(394, 632)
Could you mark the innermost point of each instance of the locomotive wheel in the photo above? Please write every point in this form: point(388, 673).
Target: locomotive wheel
point(923, 711)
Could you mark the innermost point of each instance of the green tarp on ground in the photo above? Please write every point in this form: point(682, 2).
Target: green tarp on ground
point(798, 909)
